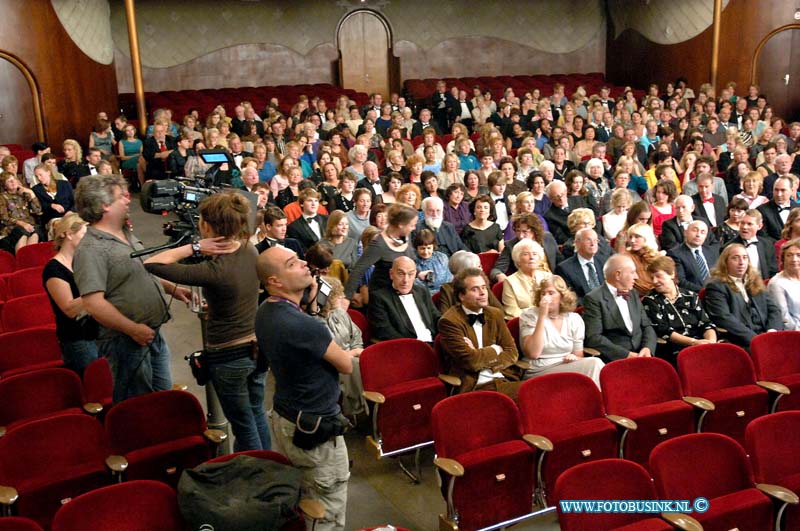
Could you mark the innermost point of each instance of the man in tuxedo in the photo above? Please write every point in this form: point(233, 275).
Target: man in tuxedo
point(562, 205)
point(605, 131)
point(475, 341)
point(447, 239)
point(237, 122)
point(93, 158)
point(273, 229)
point(760, 249)
point(236, 149)
point(582, 270)
point(616, 323)
point(442, 101)
point(708, 206)
point(423, 123)
point(371, 180)
point(309, 228)
point(673, 229)
point(523, 225)
point(403, 310)
point(461, 110)
point(783, 167)
point(156, 150)
point(375, 102)
point(776, 211)
point(606, 100)
point(695, 257)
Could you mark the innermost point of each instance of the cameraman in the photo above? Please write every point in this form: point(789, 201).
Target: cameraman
point(307, 423)
point(231, 289)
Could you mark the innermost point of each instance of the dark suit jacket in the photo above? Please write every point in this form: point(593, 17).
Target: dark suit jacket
point(743, 321)
point(687, 270)
point(773, 225)
point(573, 274)
point(417, 129)
point(605, 328)
point(767, 263)
point(505, 265)
point(388, 318)
point(364, 183)
point(455, 109)
point(156, 169)
point(289, 243)
point(300, 231)
point(447, 239)
point(719, 210)
point(602, 135)
point(467, 362)
point(672, 234)
point(64, 197)
point(557, 219)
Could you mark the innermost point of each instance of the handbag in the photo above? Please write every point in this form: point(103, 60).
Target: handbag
point(198, 364)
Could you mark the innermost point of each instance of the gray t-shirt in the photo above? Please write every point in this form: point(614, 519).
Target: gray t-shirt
point(103, 263)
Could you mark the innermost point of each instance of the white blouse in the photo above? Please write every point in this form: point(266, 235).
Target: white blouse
point(557, 343)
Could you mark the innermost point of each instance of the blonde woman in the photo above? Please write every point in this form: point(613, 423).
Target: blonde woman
point(614, 220)
point(73, 159)
point(642, 247)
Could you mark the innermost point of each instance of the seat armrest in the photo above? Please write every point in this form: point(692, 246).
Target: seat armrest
point(700, 403)
point(540, 442)
point(449, 466)
point(215, 436)
point(311, 508)
point(180, 387)
point(775, 387)
point(623, 422)
point(591, 351)
point(374, 397)
point(117, 463)
point(93, 408)
point(449, 379)
point(8, 495)
point(682, 521)
point(779, 493)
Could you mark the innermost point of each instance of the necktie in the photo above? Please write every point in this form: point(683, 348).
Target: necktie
point(592, 278)
point(709, 200)
point(701, 265)
point(161, 146)
point(624, 294)
point(473, 317)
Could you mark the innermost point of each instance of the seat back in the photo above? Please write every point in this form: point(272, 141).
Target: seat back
point(397, 360)
point(700, 464)
point(487, 261)
point(130, 506)
point(17, 523)
point(497, 290)
point(474, 420)
point(704, 368)
point(773, 444)
point(154, 418)
point(27, 312)
point(7, 262)
point(513, 328)
point(98, 382)
point(776, 354)
point(608, 479)
point(26, 281)
point(29, 348)
point(36, 393)
point(34, 255)
point(635, 382)
point(555, 400)
point(361, 322)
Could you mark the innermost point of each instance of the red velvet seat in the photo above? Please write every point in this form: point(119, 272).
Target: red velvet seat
point(776, 358)
point(487, 261)
point(513, 329)
point(38, 394)
point(26, 281)
point(98, 383)
point(29, 349)
point(7, 262)
point(714, 467)
point(132, 506)
point(361, 322)
point(607, 479)
point(52, 460)
point(497, 290)
point(647, 391)
point(27, 312)
point(567, 409)
point(401, 381)
point(486, 468)
point(723, 374)
point(16, 523)
point(160, 434)
point(34, 255)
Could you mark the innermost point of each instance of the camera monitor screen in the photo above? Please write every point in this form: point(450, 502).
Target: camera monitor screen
point(218, 157)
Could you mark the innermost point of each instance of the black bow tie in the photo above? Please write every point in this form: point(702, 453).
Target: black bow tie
point(476, 317)
point(500, 200)
point(781, 209)
point(624, 294)
point(309, 220)
point(748, 244)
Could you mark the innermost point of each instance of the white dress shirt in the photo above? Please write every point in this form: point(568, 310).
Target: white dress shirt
point(752, 252)
point(711, 213)
point(410, 306)
point(313, 224)
point(622, 304)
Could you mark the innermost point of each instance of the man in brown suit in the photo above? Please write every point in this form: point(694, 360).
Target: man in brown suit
point(474, 338)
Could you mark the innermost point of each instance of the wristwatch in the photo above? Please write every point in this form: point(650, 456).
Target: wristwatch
point(196, 249)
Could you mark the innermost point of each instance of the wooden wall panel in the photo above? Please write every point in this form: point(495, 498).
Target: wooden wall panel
point(632, 59)
point(17, 119)
point(73, 87)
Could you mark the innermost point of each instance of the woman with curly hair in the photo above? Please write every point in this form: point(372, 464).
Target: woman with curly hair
point(643, 249)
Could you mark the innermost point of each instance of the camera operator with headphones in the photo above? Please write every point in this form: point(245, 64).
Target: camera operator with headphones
point(231, 288)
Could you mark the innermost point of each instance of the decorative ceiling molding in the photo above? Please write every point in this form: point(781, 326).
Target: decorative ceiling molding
point(663, 21)
point(88, 24)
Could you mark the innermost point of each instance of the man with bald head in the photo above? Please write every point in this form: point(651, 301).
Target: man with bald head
point(405, 309)
point(695, 257)
point(783, 167)
point(673, 229)
point(371, 180)
point(616, 323)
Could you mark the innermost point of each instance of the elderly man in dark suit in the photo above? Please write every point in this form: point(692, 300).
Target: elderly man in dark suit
point(403, 310)
point(523, 225)
point(309, 228)
point(775, 212)
point(155, 151)
point(447, 239)
point(695, 257)
point(556, 216)
point(616, 323)
point(582, 271)
point(475, 340)
point(672, 230)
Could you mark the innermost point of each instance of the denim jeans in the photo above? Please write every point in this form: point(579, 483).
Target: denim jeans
point(137, 369)
point(79, 354)
point(240, 389)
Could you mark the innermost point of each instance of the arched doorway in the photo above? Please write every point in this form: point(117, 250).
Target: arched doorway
point(776, 69)
point(364, 39)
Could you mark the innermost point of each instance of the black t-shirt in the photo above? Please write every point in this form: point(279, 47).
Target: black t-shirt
point(67, 328)
point(294, 344)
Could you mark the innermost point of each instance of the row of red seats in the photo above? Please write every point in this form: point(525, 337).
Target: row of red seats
point(20, 152)
point(23, 301)
point(33, 255)
point(20, 283)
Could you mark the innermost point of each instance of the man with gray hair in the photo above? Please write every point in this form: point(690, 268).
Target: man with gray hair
point(371, 180)
point(695, 257)
point(447, 239)
point(119, 292)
